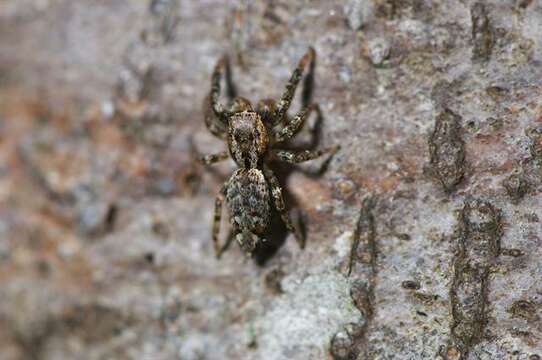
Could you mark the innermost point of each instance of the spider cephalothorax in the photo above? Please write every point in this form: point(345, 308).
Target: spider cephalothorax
point(254, 138)
point(247, 139)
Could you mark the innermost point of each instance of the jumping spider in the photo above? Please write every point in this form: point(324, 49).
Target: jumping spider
point(254, 138)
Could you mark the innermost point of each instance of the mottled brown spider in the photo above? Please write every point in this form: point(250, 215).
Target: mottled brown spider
point(254, 138)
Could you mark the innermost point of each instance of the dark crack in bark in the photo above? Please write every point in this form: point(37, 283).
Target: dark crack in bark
point(349, 342)
point(482, 33)
point(535, 146)
point(447, 150)
point(364, 234)
point(525, 179)
point(478, 237)
point(516, 187)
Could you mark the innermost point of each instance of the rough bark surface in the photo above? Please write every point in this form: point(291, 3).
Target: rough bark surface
point(105, 218)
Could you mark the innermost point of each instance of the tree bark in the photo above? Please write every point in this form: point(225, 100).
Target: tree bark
point(423, 230)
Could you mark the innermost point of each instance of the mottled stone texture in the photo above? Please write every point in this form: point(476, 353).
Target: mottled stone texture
point(105, 218)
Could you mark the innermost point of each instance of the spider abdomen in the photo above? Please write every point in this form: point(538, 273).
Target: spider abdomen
point(247, 198)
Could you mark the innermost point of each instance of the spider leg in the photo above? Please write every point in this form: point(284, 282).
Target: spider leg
point(226, 244)
point(217, 217)
point(231, 91)
point(214, 94)
point(288, 94)
point(294, 125)
point(295, 157)
point(216, 124)
point(276, 191)
point(216, 127)
point(267, 107)
point(214, 158)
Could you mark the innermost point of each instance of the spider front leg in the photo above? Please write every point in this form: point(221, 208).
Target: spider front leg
point(217, 124)
point(215, 127)
point(286, 99)
point(295, 125)
point(276, 192)
point(296, 157)
point(214, 94)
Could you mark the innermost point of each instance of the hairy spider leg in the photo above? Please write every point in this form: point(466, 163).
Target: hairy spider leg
point(216, 127)
point(217, 217)
point(217, 124)
point(221, 114)
point(296, 157)
point(294, 125)
point(276, 192)
point(286, 99)
point(227, 243)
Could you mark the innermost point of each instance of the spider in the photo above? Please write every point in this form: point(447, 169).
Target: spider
point(254, 138)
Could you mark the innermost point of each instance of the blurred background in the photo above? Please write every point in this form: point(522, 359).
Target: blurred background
point(105, 218)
